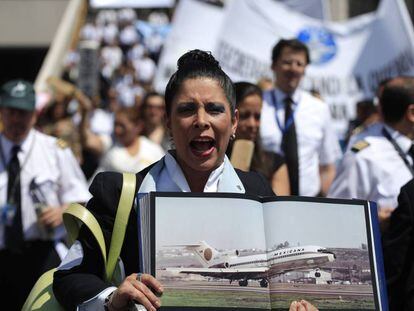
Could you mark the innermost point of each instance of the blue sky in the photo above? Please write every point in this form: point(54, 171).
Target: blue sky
point(238, 224)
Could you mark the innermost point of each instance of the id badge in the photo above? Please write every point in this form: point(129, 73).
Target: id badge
point(8, 211)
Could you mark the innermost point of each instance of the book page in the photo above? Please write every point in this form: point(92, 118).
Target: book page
point(210, 253)
point(144, 232)
point(319, 251)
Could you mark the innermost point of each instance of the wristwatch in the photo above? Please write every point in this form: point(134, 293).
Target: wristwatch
point(108, 301)
point(108, 306)
point(130, 307)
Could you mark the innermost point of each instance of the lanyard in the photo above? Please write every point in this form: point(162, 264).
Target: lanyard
point(399, 150)
point(288, 122)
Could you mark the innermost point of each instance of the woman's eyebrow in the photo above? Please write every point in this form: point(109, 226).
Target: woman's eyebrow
point(185, 103)
point(185, 106)
point(216, 105)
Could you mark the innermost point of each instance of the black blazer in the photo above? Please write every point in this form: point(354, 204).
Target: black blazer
point(398, 248)
point(74, 286)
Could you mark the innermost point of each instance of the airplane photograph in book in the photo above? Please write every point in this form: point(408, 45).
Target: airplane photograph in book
point(262, 266)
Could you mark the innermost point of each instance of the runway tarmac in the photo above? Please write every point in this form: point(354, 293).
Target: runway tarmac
point(313, 289)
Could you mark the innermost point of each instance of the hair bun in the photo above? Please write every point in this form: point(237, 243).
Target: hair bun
point(197, 57)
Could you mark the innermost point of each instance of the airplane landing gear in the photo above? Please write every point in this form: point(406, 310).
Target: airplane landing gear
point(243, 282)
point(264, 283)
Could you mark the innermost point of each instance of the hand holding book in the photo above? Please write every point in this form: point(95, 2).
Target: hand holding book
point(138, 288)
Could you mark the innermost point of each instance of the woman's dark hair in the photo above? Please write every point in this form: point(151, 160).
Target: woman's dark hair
point(198, 64)
point(262, 162)
point(244, 89)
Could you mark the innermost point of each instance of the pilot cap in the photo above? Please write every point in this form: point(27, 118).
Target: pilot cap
point(18, 94)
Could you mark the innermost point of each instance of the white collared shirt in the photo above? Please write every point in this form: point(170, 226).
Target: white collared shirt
point(172, 178)
point(53, 168)
point(376, 172)
point(317, 142)
point(402, 141)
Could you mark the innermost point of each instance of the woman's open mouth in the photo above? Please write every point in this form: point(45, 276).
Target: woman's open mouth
point(203, 146)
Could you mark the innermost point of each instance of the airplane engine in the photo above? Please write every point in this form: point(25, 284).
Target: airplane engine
point(208, 254)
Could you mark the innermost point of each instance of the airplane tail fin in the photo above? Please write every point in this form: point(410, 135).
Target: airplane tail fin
point(204, 253)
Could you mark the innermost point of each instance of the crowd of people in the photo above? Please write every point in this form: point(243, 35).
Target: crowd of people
point(182, 141)
point(90, 123)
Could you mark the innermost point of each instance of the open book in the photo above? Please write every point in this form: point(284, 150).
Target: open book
point(215, 251)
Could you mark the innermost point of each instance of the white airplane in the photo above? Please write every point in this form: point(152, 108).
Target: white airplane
point(231, 266)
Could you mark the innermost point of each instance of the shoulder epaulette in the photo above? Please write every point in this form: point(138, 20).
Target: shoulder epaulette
point(358, 130)
point(61, 143)
point(359, 145)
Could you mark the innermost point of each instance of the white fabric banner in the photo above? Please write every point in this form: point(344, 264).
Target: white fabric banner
point(195, 25)
point(314, 8)
point(100, 4)
point(348, 58)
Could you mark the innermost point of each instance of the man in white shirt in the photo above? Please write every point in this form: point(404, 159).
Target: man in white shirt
point(289, 112)
point(39, 177)
point(380, 162)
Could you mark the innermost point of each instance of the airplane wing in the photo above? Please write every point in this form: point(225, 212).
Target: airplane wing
point(224, 273)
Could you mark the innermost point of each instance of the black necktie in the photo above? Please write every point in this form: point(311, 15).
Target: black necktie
point(411, 154)
point(290, 147)
point(14, 229)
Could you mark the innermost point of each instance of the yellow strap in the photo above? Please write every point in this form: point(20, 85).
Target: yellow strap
point(76, 215)
point(40, 297)
point(121, 220)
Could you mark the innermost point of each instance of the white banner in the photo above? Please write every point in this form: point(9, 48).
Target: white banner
point(314, 8)
point(348, 58)
point(195, 25)
point(100, 4)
